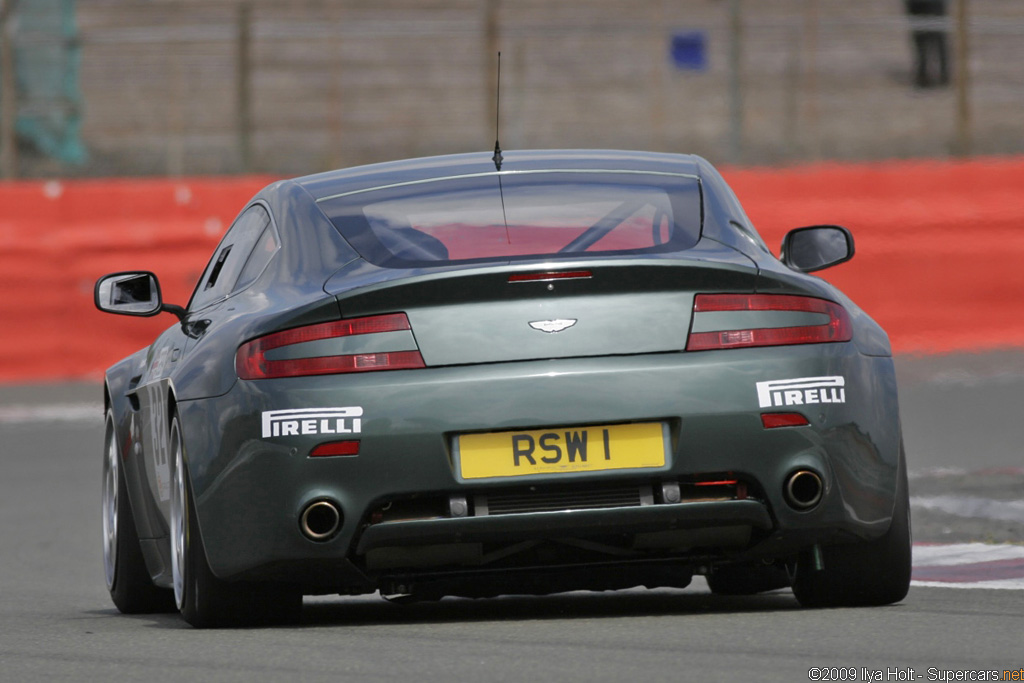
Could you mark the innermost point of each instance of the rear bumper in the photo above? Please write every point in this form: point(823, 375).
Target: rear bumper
point(250, 489)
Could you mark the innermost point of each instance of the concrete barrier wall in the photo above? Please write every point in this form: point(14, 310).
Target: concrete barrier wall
point(940, 252)
point(328, 83)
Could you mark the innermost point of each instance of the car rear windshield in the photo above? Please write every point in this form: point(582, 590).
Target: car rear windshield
point(519, 215)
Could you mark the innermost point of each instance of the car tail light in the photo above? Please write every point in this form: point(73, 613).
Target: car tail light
point(251, 360)
point(335, 448)
point(837, 329)
point(775, 420)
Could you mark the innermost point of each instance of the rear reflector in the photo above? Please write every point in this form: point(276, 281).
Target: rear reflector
point(773, 420)
point(335, 448)
point(549, 276)
point(837, 329)
point(251, 359)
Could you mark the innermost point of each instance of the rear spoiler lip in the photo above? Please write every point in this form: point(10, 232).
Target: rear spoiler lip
point(360, 276)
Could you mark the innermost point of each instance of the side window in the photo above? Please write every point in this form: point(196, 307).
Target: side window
point(266, 246)
point(231, 257)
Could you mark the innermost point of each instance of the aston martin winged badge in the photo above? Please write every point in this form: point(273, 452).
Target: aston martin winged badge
point(551, 326)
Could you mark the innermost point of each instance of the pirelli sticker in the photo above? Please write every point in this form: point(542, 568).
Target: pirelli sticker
point(801, 391)
point(312, 421)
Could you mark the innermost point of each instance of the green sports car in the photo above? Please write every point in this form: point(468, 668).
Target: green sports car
point(466, 376)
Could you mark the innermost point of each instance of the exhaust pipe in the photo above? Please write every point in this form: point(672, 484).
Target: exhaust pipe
point(320, 520)
point(803, 489)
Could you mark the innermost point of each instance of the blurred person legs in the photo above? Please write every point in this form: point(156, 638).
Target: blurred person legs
point(931, 46)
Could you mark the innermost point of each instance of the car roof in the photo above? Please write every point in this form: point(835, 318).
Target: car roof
point(331, 183)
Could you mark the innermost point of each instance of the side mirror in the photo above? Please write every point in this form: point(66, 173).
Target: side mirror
point(131, 293)
point(816, 247)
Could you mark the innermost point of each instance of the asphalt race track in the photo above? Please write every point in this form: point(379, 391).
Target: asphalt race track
point(963, 429)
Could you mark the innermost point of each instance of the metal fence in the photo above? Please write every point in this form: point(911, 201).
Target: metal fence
point(295, 86)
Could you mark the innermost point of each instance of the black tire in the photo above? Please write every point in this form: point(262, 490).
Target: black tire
point(747, 579)
point(862, 574)
point(131, 588)
point(204, 600)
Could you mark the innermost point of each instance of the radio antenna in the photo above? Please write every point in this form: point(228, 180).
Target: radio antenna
point(497, 158)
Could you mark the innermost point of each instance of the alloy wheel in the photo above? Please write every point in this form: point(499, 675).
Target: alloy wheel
point(179, 519)
point(111, 476)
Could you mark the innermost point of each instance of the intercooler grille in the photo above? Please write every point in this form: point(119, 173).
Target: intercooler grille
point(517, 502)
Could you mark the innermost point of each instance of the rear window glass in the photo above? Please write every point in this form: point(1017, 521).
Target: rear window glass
point(509, 216)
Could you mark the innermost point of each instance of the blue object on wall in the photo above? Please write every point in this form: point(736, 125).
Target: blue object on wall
point(689, 50)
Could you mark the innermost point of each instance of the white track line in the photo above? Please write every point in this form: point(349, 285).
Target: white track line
point(1009, 585)
point(52, 412)
point(965, 506)
point(944, 555)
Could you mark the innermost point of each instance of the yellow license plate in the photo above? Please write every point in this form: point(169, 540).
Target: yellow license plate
point(570, 449)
